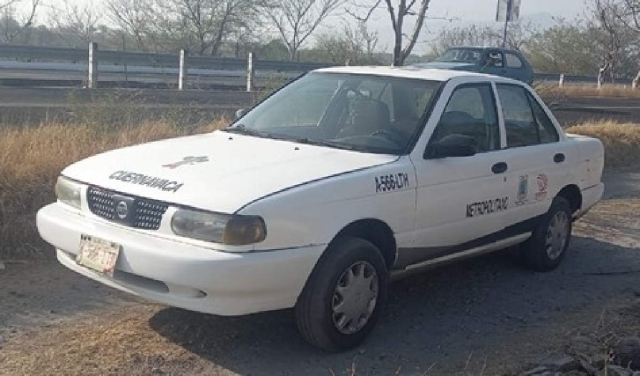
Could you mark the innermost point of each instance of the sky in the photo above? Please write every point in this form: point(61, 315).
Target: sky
point(485, 10)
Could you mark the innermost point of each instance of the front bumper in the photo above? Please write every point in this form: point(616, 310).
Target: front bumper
point(183, 275)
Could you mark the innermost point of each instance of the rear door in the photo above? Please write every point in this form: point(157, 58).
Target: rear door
point(516, 68)
point(537, 158)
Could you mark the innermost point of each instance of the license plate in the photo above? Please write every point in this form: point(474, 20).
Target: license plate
point(98, 254)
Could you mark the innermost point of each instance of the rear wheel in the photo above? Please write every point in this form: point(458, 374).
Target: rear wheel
point(548, 245)
point(341, 302)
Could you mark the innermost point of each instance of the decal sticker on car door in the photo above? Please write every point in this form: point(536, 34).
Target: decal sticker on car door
point(392, 182)
point(523, 190)
point(487, 207)
point(543, 186)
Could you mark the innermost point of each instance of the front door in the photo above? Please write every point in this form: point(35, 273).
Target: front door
point(461, 201)
point(494, 63)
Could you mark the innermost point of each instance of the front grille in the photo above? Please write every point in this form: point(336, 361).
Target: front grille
point(145, 214)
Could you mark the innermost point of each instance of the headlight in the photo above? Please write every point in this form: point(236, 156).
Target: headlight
point(219, 228)
point(68, 192)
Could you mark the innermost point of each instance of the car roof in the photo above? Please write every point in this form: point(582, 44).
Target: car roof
point(440, 75)
point(482, 48)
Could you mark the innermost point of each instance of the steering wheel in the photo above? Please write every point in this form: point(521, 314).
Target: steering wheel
point(395, 136)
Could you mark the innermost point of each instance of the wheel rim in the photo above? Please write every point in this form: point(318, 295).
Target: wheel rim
point(355, 298)
point(557, 235)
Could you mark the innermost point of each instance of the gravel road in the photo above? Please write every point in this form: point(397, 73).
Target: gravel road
point(484, 316)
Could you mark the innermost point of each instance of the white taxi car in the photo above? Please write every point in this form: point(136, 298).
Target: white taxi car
point(319, 196)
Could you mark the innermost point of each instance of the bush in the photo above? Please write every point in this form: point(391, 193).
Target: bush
point(621, 141)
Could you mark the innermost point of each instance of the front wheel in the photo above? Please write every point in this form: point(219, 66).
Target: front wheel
point(547, 247)
point(341, 302)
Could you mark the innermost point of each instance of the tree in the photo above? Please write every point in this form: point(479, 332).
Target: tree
point(399, 13)
point(604, 18)
point(296, 20)
point(479, 35)
point(133, 18)
point(353, 46)
point(627, 12)
point(13, 24)
point(564, 48)
point(201, 26)
point(76, 25)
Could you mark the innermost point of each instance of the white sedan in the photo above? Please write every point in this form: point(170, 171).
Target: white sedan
point(319, 196)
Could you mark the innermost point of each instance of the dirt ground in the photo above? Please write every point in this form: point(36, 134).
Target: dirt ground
point(484, 316)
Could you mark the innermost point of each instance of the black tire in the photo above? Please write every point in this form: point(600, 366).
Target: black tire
point(534, 252)
point(314, 310)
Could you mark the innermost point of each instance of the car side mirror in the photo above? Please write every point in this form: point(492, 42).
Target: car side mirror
point(455, 145)
point(240, 113)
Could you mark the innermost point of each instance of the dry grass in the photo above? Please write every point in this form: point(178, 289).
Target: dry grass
point(120, 343)
point(586, 91)
point(31, 159)
point(621, 141)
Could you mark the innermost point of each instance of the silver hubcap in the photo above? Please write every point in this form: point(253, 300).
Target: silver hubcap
point(355, 298)
point(557, 235)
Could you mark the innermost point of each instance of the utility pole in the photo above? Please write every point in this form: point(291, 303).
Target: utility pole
point(506, 23)
point(508, 11)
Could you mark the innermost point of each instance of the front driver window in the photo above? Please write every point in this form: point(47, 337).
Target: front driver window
point(471, 111)
point(495, 59)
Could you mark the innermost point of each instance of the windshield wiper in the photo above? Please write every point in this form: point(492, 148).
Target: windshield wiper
point(308, 141)
point(242, 129)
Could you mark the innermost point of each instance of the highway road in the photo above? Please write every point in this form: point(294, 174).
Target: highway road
point(31, 105)
point(572, 111)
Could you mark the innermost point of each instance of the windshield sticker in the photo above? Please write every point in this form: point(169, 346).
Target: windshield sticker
point(187, 161)
point(393, 182)
point(487, 207)
point(523, 190)
point(165, 185)
point(543, 186)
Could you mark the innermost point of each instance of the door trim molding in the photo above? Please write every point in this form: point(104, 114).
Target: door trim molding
point(502, 244)
point(408, 257)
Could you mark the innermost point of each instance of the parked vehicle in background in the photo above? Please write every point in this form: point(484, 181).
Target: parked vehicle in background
point(495, 61)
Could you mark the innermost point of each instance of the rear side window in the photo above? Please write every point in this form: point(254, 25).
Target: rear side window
point(513, 61)
point(525, 121)
point(471, 111)
point(548, 131)
point(521, 126)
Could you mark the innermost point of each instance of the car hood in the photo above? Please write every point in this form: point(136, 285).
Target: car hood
point(452, 66)
point(219, 171)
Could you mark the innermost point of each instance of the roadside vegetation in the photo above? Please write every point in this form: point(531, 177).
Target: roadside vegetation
point(621, 141)
point(553, 91)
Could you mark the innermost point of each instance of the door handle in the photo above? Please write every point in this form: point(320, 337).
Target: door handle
point(500, 168)
point(559, 158)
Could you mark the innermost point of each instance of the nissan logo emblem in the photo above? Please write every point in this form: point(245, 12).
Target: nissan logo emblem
point(122, 210)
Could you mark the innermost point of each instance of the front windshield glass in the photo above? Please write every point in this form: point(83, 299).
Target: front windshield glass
point(461, 55)
point(374, 114)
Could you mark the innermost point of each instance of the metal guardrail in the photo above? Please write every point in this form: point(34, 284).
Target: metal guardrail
point(94, 61)
point(58, 54)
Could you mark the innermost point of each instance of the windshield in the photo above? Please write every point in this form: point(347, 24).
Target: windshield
point(358, 112)
point(462, 55)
